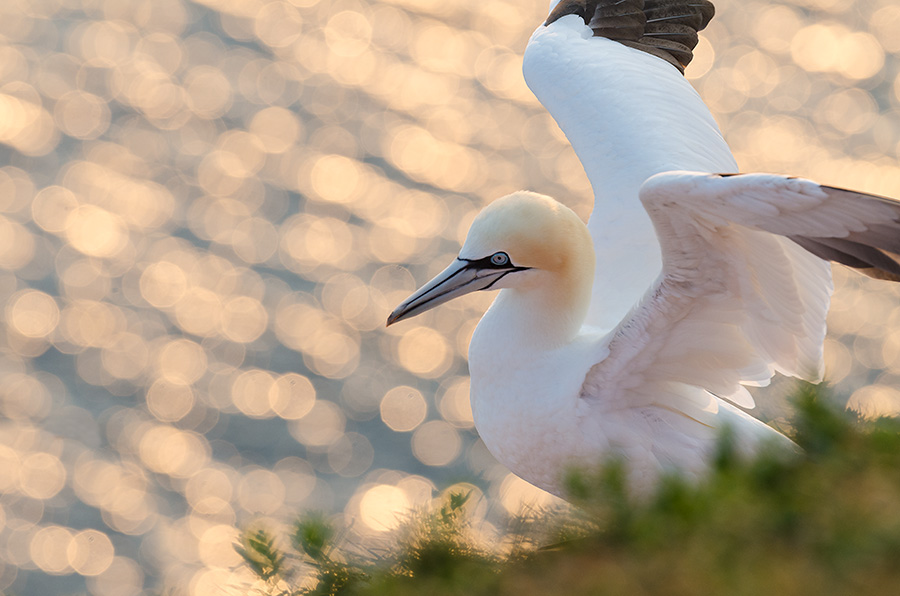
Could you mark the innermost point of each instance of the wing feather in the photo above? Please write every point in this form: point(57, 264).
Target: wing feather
point(744, 289)
point(664, 28)
point(856, 229)
point(628, 116)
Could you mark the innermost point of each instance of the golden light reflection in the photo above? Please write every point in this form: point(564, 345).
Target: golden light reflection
point(169, 401)
point(23, 396)
point(775, 26)
point(82, 115)
point(163, 284)
point(261, 492)
point(838, 363)
point(832, 47)
point(250, 393)
point(424, 351)
point(85, 279)
point(436, 443)
point(122, 576)
point(181, 361)
point(334, 178)
point(9, 468)
point(292, 396)
point(298, 477)
point(16, 245)
point(126, 357)
point(310, 241)
point(244, 319)
point(351, 455)
point(890, 352)
point(454, 404)
point(17, 190)
point(875, 401)
point(167, 450)
point(321, 426)
point(216, 547)
point(277, 129)
point(26, 126)
point(518, 496)
point(210, 207)
point(41, 475)
point(403, 409)
point(49, 548)
point(95, 231)
point(208, 92)
point(90, 552)
point(33, 313)
point(199, 312)
point(254, 240)
point(384, 507)
point(209, 491)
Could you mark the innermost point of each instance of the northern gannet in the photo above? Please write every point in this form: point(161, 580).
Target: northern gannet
point(629, 337)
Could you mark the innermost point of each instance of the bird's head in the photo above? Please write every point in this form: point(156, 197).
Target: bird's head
point(523, 241)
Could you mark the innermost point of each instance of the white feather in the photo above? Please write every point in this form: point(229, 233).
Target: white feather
point(629, 115)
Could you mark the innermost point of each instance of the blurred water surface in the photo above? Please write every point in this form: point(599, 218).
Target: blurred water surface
point(208, 208)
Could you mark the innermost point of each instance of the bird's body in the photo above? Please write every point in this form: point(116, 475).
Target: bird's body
point(550, 392)
point(629, 337)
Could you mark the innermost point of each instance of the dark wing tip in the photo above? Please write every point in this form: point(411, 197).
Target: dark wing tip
point(665, 28)
point(879, 274)
point(857, 254)
point(873, 251)
point(567, 7)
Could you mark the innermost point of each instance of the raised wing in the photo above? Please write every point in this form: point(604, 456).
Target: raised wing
point(738, 298)
point(664, 28)
point(629, 115)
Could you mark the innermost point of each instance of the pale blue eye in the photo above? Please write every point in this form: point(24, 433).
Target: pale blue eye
point(500, 259)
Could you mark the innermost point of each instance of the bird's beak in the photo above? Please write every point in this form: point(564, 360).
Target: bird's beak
point(461, 277)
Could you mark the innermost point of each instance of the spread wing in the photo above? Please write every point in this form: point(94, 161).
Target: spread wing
point(741, 292)
point(629, 115)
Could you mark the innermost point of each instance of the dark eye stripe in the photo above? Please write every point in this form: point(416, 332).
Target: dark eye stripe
point(488, 262)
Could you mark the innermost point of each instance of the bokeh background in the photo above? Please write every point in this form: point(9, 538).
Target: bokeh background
point(208, 208)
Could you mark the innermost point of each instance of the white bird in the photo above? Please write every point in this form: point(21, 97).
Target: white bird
point(629, 337)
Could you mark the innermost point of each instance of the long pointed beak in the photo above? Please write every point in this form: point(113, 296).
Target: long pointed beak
point(461, 277)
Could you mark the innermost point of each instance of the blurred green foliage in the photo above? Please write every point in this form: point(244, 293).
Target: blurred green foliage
point(824, 522)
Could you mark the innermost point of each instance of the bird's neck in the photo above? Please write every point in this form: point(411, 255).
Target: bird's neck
point(537, 318)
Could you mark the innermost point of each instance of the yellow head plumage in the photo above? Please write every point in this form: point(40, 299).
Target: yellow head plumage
point(535, 231)
point(527, 242)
